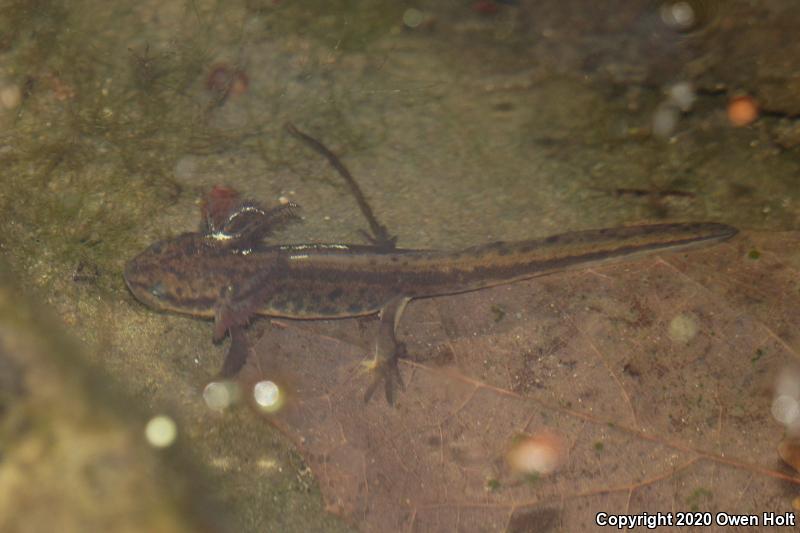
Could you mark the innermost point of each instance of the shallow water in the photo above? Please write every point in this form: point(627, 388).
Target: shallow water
point(461, 126)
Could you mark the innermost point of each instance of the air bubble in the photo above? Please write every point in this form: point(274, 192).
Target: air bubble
point(413, 17)
point(679, 16)
point(683, 328)
point(220, 395)
point(785, 410)
point(267, 395)
point(161, 431)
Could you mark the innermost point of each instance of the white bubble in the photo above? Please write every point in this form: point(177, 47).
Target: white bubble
point(267, 394)
point(665, 120)
point(679, 16)
point(413, 17)
point(220, 395)
point(683, 328)
point(160, 431)
point(10, 96)
point(682, 94)
point(788, 383)
point(786, 410)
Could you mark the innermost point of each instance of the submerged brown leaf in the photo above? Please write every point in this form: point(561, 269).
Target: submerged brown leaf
point(644, 387)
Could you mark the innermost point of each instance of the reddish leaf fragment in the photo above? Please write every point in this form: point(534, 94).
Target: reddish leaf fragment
point(217, 205)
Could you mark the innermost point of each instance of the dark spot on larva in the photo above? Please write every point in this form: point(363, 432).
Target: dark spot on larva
point(354, 308)
point(552, 239)
point(394, 259)
point(335, 294)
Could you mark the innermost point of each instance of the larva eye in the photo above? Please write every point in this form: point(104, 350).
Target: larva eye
point(158, 290)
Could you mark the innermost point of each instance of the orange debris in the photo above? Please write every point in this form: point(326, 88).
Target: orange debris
point(742, 110)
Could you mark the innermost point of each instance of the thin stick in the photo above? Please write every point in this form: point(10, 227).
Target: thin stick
point(380, 236)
